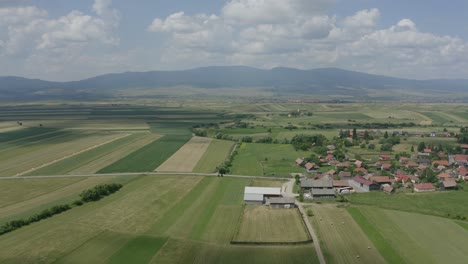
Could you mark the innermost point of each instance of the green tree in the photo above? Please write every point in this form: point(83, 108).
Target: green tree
point(385, 135)
point(421, 146)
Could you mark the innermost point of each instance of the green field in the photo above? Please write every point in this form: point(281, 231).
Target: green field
point(341, 238)
point(214, 156)
point(150, 156)
point(403, 237)
point(266, 159)
point(445, 204)
point(261, 223)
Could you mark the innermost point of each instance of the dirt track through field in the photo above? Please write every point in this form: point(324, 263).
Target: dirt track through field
point(187, 157)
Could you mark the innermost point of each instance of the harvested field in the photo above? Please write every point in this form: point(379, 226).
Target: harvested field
point(24, 159)
point(261, 224)
point(187, 157)
point(342, 239)
point(215, 155)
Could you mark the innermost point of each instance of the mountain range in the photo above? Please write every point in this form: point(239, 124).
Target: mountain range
point(331, 82)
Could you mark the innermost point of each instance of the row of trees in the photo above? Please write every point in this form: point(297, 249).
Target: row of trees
point(93, 194)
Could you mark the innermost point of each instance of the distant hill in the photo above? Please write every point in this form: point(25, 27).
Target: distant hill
point(332, 82)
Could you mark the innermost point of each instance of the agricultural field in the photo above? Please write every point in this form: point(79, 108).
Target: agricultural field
point(167, 219)
point(217, 152)
point(187, 157)
point(444, 204)
point(413, 238)
point(149, 157)
point(341, 237)
point(261, 223)
point(266, 160)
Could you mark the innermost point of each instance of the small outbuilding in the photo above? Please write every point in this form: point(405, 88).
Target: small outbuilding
point(282, 202)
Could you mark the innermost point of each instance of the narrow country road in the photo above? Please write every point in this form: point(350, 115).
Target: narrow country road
point(140, 173)
point(287, 191)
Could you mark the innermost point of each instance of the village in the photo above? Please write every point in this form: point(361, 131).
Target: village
point(428, 170)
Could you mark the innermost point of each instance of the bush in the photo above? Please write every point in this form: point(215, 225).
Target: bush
point(310, 212)
point(99, 191)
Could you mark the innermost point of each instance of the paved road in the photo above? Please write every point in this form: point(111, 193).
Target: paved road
point(140, 173)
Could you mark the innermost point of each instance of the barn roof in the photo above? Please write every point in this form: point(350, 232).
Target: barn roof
point(323, 192)
point(309, 183)
point(257, 193)
point(282, 200)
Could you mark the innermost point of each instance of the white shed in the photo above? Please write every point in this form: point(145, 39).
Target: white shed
point(258, 195)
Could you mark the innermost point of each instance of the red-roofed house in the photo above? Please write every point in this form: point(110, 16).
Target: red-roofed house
point(424, 187)
point(329, 157)
point(402, 178)
point(464, 146)
point(436, 163)
point(411, 164)
point(428, 150)
point(444, 176)
point(386, 166)
point(404, 160)
point(310, 166)
point(343, 165)
point(462, 173)
point(460, 159)
point(448, 184)
point(385, 157)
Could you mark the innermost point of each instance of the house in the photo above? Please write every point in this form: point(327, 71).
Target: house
point(385, 157)
point(381, 180)
point(444, 163)
point(460, 159)
point(411, 164)
point(367, 185)
point(323, 193)
point(300, 161)
point(358, 163)
point(448, 184)
point(404, 160)
point(424, 187)
point(427, 151)
point(259, 195)
point(464, 146)
point(414, 179)
point(329, 157)
point(360, 171)
point(386, 166)
point(444, 176)
point(282, 202)
point(462, 173)
point(402, 178)
point(441, 155)
point(310, 166)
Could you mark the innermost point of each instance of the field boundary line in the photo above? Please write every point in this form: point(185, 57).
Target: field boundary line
point(315, 239)
point(71, 155)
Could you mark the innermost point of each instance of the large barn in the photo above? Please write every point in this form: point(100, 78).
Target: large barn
point(259, 195)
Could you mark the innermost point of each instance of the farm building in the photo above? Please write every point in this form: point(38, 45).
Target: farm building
point(448, 184)
point(282, 202)
point(323, 193)
point(259, 195)
point(388, 189)
point(340, 183)
point(365, 184)
point(380, 180)
point(424, 187)
point(308, 184)
point(311, 167)
point(300, 161)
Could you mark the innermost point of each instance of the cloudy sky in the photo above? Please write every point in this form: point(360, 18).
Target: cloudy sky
point(71, 39)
